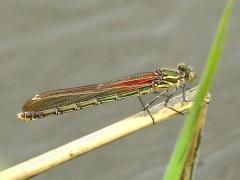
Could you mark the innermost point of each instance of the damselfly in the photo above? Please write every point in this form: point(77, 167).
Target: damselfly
point(71, 99)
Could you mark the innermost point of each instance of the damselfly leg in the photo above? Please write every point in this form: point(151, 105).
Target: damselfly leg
point(153, 100)
point(167, 100)
point(146, 109)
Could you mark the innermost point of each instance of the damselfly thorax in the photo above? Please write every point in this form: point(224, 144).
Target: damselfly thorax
point(71, 99)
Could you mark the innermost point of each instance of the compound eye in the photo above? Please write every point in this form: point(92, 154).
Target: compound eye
point(182, 67)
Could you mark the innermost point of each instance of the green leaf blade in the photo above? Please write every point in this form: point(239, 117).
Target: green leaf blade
point(183, 145)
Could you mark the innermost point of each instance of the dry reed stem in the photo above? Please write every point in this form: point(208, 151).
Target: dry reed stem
point(97, 139)
point(190, 163)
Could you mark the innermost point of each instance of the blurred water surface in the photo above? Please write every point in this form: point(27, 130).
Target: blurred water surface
point(47, 45)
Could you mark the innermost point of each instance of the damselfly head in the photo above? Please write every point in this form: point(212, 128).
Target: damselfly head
point(186, 72)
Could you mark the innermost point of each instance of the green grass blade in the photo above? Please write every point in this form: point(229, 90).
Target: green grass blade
point(183, 145)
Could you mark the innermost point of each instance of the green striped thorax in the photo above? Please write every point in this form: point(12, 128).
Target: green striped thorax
point(168, 78)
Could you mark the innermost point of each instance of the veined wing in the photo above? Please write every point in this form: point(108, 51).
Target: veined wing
point(64, 97)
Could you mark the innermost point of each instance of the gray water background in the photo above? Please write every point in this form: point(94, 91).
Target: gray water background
point(48, 45)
